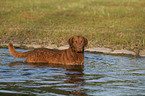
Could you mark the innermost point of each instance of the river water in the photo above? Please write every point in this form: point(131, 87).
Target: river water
point(101, 75)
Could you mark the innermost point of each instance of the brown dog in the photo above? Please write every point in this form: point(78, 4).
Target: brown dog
point(74, 55)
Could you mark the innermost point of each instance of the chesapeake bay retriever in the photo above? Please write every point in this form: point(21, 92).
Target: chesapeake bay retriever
point(74, 55)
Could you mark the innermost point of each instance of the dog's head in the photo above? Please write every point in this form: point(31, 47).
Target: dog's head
point(77, 43)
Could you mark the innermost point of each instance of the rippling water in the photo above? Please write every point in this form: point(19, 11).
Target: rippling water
point(101, 75)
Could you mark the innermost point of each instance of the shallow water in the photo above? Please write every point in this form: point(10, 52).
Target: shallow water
point(101, 75)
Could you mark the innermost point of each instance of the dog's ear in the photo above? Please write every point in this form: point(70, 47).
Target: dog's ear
point(85, 42)
point(70, 41)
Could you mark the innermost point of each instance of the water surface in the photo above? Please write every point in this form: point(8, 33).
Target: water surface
point(101, 75)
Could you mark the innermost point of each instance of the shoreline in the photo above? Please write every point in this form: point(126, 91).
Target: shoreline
point(102, 50)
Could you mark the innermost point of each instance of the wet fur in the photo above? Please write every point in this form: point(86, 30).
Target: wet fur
point(74, 55)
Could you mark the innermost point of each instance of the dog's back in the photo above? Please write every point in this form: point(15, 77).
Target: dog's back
point(43, 55)
point(40, 55)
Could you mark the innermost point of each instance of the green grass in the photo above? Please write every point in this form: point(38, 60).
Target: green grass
point(117, 24)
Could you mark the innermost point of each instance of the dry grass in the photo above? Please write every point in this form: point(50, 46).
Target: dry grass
point(117, 24)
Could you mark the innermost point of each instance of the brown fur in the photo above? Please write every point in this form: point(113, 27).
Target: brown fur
point(74, 55)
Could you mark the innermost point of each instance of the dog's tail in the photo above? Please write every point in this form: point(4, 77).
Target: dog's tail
point(16, 53)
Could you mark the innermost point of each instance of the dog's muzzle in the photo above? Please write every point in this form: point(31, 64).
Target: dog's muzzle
point(80, 49)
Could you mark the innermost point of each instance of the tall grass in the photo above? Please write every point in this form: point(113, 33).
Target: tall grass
point(117, 24)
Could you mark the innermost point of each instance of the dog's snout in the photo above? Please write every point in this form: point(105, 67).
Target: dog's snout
point(80, 48)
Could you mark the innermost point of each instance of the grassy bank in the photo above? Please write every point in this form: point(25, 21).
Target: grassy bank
point(118, 24)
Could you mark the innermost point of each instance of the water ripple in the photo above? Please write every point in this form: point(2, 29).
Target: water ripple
point(100, 75)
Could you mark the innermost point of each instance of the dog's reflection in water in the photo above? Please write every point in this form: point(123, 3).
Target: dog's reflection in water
point(73, 76)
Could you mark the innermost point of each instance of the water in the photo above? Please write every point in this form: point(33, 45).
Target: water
point(101, 75)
